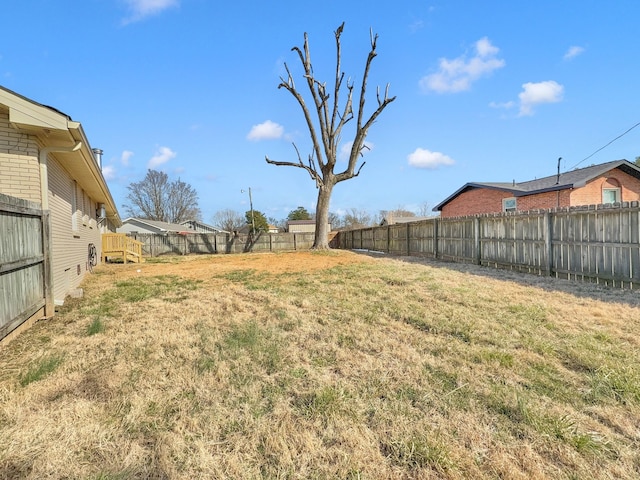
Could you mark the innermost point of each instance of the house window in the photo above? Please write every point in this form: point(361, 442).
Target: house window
point(610, 195)
point(509, 204)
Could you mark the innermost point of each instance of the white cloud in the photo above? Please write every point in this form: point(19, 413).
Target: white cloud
point(141, 9)
point(345, 150)
point(422, 158)
point(162, 155)
point(458, 74)
point(125, 157)
point(573, 52)
point(265, 131)
point(536, 93)
point(109, 172)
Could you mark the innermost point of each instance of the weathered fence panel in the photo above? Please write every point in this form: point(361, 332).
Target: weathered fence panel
point(596, 243)
point(422, 239)
point(154, 245)
point(516, 241)
point(25, 279)
point(457, 240)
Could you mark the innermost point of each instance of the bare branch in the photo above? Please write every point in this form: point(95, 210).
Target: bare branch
point(311, 168)
point(326, 131)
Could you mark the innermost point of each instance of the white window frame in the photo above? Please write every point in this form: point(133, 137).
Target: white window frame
point(616, 192)
point(509, 204)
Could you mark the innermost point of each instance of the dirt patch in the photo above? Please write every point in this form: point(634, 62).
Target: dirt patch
point(206, 266)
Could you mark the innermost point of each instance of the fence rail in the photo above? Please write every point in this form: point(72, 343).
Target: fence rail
point(596, 243)
point(154, 245)
point(25, 264)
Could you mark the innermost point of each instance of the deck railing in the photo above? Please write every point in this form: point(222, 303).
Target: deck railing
point(119, 245)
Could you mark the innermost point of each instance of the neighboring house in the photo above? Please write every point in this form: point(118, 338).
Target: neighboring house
point(303, 226)
point(611, 182)
point(45, 158)
point(140, 225)
point(199, 227)
point(391, 219)
point(246, 230)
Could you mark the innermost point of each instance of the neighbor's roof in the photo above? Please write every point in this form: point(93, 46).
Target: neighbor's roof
point(573, 179)
point(164, 226)
point(301, 222)
point(192, 222)
point(403, 219)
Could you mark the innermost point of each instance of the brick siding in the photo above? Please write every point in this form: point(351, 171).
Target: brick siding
point(484, 200)
point(475, 202)
point(19, 167)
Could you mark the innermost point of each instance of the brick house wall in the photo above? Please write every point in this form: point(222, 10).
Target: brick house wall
point(591, 193)
point(475, 202)
point(484, 200)
point(19, 167)
point(561, 198)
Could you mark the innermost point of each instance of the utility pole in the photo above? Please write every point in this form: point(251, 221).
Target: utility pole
point(253, 223)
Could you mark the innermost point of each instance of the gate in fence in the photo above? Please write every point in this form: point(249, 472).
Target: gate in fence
point(25, 263)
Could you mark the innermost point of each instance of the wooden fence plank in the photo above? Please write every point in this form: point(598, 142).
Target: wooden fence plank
point(594, 243)
point(24, 253)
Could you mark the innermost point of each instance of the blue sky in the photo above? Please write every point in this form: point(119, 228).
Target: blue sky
point(486, 91)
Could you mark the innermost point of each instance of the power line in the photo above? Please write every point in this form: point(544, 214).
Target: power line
point(602, 148)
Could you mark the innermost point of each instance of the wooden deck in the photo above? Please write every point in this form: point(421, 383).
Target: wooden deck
point(119, 245)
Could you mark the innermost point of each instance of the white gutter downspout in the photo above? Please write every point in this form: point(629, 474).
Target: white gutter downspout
point(44, 174)
point(49, 305)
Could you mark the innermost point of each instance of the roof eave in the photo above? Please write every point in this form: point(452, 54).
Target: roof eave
point(469, 186)
point(56, 129)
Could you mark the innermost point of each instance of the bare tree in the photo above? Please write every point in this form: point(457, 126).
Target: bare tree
point(326, 128)
point(355, 218)
point(335, 220)
point(228, 220)
point(156, 198)
point(390, 215)
point(425, 209)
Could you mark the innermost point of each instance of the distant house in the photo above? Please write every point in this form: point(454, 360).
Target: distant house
point(303, 226)
point(611, 182)
point(391, 219)
point(140, 225)
point(46, 159)
point(199, 227)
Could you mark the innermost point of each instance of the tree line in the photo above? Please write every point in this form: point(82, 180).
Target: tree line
point(157, 198)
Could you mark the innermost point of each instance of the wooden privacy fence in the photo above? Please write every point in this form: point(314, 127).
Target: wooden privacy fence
point(597, 243)
point(183, 244)
point(25, 263)
point(118, 245)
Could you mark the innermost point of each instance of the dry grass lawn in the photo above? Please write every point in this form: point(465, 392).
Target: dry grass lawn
point(324, 365)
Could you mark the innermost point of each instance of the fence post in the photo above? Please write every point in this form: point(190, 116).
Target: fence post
point(548, 246)
point(436, 233)
point(408, 239)
point(49, 306)
point(388, 239)
point(476, 240)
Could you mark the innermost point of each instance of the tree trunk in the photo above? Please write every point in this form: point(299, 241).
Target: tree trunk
point(321, 239)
